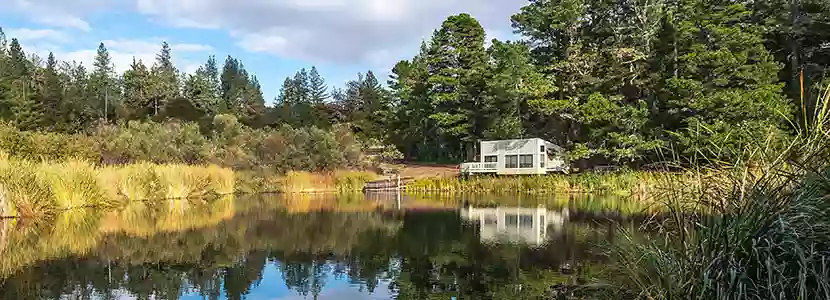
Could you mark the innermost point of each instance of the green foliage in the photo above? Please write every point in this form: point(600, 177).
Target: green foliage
point(757, 231)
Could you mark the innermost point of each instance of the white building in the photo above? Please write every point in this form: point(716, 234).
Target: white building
point(512, 157)
point(515, 224)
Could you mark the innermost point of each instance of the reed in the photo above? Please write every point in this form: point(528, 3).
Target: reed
point(620, 183)
point(758, 231)
point(74, 185)
point(26, 190)
point(343, 181)
point(183, 181)
point(131, 183)
point(38, 190)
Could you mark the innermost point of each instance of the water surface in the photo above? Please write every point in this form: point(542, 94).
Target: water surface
point(305, 248)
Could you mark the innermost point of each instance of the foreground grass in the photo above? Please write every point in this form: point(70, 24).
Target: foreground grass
point(761, 231)
point(40, 189)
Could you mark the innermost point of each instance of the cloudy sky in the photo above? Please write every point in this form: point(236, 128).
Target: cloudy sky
point(273, 38)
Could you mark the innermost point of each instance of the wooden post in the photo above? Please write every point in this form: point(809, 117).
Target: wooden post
point(398, 176)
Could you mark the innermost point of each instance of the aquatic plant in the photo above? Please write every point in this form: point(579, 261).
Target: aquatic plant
point(26, 190)
point(34, 190)
point(129, 183)
point(759, 231)
point(74, 184)
point(624, 182)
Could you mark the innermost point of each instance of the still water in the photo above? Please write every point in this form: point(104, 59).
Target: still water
point(306, 248)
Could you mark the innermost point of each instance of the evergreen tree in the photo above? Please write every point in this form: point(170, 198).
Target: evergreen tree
point(211, 72)
point(457, 65)
point(317, 89)
point(303, 87)
point(284, 104)
point(164, 85)
point(105, 90)
point(138, 100)
point(25, 111)
point(77, 113)
point(724, 91)
point(52, 95)
point(251, 107)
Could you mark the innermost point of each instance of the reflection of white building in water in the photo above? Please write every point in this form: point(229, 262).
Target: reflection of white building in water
point(515, 224)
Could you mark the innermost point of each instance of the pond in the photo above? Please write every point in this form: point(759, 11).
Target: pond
point(323, 247)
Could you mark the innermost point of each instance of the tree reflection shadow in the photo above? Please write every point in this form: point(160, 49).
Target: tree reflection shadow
point(432, 254)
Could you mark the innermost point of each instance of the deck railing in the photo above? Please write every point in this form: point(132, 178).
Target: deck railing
point(475, 167)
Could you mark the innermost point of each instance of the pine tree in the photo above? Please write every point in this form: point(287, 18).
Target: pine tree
point(26, 113)
point(77, 113)
point(104, 85)
point(725, 90)
point(163, 79)
point(457, 64)
point(211, 72)
point(252, 106)
point(317, 89)
point(303, 88)
point(285, 102)
point(52, 96)
point(138, 101)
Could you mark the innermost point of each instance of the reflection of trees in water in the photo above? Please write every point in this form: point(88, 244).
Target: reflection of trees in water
point(424, 255)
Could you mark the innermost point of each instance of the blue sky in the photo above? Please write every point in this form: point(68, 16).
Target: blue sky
point(273, 38)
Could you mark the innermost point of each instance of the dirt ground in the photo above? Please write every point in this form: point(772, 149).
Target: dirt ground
point(428, 170)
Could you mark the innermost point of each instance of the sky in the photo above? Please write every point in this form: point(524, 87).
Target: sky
point(273, 38)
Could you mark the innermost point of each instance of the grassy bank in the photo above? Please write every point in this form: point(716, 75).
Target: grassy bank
point(642, 183)
point(342, 181)
point(38, 189)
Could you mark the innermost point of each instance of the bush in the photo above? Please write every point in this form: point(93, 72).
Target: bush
point(229, 144)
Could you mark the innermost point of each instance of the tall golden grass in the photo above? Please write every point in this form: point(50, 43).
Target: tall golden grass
point(342, 181)
point(41, 189)
point(623, 183)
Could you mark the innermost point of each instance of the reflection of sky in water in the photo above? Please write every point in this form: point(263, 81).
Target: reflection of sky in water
point(272, 287)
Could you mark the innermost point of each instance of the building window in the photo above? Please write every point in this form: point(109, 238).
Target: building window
point(490, 220)
point(542, 160)
point(542, 148)
point(491, 158)
point(526, 161)
point(526, 221)
point(511, 220)
point(512, 161)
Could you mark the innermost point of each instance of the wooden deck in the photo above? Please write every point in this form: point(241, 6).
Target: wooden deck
point(390, 184)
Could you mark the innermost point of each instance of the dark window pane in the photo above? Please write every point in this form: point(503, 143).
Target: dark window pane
point(512, 161)
point(526, 161)
point(526, 221)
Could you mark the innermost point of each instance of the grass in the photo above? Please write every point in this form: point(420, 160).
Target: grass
point(760, 231)
point(621, 183)
point(40, 190)
point(341, 181)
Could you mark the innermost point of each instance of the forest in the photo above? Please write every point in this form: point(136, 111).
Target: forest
point(629, 82)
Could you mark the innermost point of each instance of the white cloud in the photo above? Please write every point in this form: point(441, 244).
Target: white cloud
point(122, 51)
point(64, 14)
point(339, 31)
point(31, 35)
